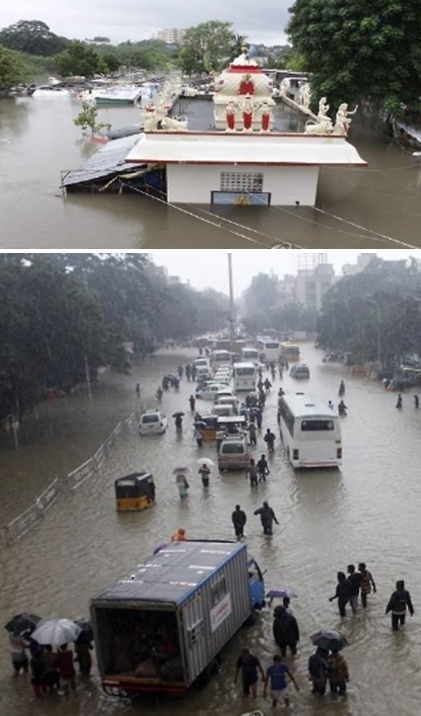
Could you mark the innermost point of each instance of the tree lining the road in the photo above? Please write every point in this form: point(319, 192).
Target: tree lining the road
point(376, 310)
point(63, 316)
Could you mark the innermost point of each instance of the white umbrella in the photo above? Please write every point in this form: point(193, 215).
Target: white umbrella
point(206, 461)
point(56, 631)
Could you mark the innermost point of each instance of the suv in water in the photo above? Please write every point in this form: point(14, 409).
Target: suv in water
point(152, 422)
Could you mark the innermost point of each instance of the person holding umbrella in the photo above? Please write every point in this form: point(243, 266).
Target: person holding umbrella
point(204, 472)
point(178, 421)
point(83, 646)
point(181, 480)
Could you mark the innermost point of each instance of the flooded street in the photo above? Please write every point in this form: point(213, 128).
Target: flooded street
point(369, 208)
point(368, 511)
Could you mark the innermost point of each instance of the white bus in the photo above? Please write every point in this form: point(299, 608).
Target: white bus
point(219, 358)
point(269, 349)
point(245, 376)
point(250, 355)
point(310, 431)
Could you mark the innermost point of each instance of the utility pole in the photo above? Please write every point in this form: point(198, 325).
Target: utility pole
point(232, 330)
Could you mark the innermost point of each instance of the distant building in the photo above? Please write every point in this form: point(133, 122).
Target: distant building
point(312, 284)
point(171, 36)
point(362, 262)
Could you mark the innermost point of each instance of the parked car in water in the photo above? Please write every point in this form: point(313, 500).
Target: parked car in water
point(234, 453)
point(300, 370)
point(153, 422)
point(210, 391)
point(228, 400)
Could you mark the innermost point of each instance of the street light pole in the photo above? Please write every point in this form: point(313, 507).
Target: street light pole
point(231, 290)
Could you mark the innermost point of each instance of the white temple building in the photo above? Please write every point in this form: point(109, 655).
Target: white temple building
point(243, 161)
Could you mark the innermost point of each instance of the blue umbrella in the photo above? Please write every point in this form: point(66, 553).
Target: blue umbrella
point(280, 594)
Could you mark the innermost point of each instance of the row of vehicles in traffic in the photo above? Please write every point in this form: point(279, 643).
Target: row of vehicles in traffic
point(161, 627)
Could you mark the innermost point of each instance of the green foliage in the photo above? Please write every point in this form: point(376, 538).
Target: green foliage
point(368, 49)
point(80, 59)
point(382, 304)
point(52, 327)
point(12, 69)
point(112, 62)
point(87, 119)
point(207, 47)
point(33, 37)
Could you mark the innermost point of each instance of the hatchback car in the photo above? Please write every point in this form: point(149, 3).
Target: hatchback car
point(210, 391)
point(152, 422)
point(300, 370)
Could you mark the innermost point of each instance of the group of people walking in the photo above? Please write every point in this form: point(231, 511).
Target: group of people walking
point(351, 585)
point(267, 518)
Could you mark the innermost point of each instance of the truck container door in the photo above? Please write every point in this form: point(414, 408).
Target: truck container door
point(256, 585)
point(196, 651)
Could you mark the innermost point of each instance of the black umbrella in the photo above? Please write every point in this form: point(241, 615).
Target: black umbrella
point(21, 623)
point(87, 633)
point(176, 415)
point(329, 639)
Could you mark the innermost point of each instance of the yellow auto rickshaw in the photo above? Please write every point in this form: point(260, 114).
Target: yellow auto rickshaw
point(208, 426)
point(135, 491)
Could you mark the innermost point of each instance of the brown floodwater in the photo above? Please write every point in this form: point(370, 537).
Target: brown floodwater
point(367, 511)
point(361, 208)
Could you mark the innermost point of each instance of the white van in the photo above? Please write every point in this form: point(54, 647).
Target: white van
point(234, 453)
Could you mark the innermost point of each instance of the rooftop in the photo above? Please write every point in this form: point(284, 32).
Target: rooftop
point(243, 148)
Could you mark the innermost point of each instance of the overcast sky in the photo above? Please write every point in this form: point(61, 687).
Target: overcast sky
point(203, 269)
point(134, 20)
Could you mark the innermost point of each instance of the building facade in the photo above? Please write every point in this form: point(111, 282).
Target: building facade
point(171, 35)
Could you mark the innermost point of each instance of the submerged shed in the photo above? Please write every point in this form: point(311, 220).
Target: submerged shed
point(107, 171)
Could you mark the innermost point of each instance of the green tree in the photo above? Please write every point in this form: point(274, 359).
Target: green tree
point(80, 59)
point(207, 47)
point(378, 308)
point(33, 37)
point(88, 119)
point(361, 50)
point(12, 69)
point(53, 331)
point(112, 61)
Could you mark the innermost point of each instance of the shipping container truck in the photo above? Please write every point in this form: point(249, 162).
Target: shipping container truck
point(161, 627)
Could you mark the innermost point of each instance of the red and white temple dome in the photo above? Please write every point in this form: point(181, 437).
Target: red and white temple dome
point(242, 96)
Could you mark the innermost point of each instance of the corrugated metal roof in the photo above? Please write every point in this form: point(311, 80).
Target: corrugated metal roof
point(108, 160)
point(171, 574)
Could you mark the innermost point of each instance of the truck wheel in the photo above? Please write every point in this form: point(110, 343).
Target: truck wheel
point(251, 620)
